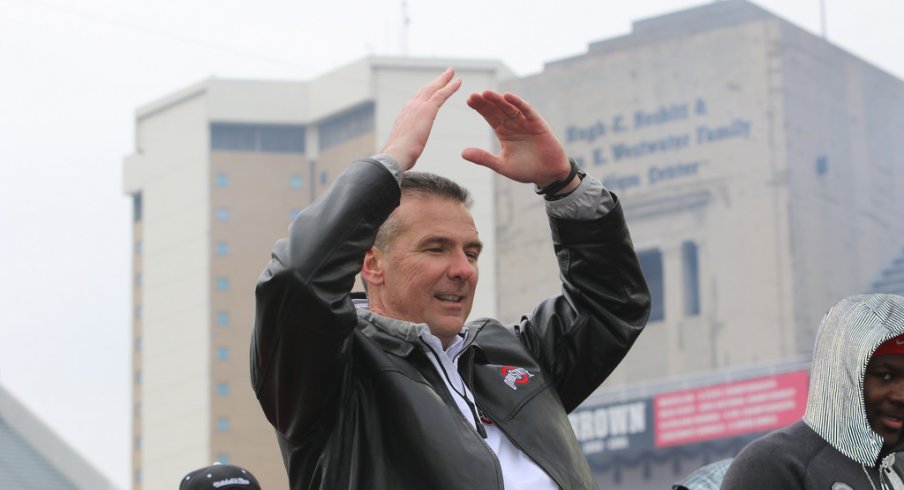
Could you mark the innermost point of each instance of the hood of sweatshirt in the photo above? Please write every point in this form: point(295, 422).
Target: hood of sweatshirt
point(849, 334)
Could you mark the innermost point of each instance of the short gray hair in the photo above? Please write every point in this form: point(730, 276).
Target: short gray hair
point(427, 185)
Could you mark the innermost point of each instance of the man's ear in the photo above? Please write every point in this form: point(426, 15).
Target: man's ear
point(372, 270)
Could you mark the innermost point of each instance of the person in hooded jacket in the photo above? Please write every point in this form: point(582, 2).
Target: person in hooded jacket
point(852, 424)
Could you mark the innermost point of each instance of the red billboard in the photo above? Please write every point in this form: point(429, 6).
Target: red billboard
point(729, 409)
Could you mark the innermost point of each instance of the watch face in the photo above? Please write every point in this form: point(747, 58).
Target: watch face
point(581, 173)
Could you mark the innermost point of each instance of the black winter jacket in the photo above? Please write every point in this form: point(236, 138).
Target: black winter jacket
point(354, 399)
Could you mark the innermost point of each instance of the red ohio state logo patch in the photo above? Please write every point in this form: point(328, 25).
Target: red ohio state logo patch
point(515, 376)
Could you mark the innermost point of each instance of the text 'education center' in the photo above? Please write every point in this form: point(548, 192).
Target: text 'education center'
point(760, 168)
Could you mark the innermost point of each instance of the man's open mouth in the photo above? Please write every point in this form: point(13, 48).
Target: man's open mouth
point(449, 298)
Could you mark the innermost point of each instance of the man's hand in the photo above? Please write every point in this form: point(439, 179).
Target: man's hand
point(413, 124)
point(530, 152)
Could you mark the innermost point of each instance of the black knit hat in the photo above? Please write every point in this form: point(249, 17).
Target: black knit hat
point(219, 477)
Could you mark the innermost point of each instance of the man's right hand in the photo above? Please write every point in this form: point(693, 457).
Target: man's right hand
point(529, 150)
point(415, 121)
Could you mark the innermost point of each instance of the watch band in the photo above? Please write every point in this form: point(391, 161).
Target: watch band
point(553, 188)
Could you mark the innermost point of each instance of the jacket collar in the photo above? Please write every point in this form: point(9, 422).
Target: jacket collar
point(400, 337)
point(394, 336)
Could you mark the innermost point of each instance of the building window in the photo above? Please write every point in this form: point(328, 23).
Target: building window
point(223, 353)
point(137, 442)
point(138, 410)
point(324, 178)
point(691, 269)
point(138, 312)
point(343, 127)
point(223, 424)
point(296, 182)
point(261, 138)
point(138, 279)
point(222, 248)
point(138, 475)
point(138, 377)
point(223, 318)
point(137, 344)
point(822, 165)
point(223, 388)
point(222, 214)
point(651, 265)
point(137, 210)
point(222, 179)
point(223, 458)
point(139, 247)
point(223, 283)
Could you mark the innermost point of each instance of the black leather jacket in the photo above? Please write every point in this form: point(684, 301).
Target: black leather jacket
point(354, 399)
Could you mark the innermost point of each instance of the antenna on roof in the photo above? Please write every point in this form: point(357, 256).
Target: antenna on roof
point(822, 17)
point(405, 22)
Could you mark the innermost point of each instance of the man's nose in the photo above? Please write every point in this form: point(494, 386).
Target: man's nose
point(896, 393)
point(462, 267)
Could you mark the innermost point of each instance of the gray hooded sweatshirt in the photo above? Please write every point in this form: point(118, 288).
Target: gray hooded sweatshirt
point(833, 447)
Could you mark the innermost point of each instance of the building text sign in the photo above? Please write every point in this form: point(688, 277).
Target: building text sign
point(663, 132)
point(613, 427)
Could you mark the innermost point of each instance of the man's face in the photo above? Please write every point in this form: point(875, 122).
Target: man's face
point(428, 273)
point(883, 397)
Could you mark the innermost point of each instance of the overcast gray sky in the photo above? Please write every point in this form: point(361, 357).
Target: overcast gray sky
point(74, 71)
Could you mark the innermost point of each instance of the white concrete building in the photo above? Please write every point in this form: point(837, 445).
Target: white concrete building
point(760, 168)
